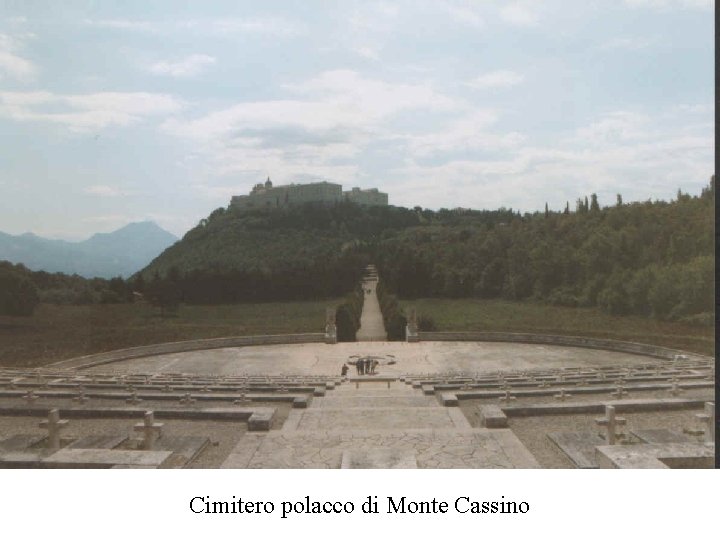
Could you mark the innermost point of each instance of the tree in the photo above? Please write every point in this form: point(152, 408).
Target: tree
point(594, 206)
point(619, 202)
point(164, 293)
point(18, 295)
point(547, 212)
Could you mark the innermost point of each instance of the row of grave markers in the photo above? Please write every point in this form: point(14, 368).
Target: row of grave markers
point(611, 422)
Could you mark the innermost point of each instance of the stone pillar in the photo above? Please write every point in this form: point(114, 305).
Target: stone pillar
point(411, 330)
point(330, 326)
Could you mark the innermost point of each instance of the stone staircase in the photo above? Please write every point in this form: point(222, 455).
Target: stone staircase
point(373, 424)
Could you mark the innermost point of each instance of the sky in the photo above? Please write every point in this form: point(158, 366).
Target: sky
point(115, 112)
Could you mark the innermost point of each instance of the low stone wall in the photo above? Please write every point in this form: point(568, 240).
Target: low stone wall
point(563, 341)
point(92, 360)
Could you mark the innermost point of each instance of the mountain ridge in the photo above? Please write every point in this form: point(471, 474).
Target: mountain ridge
point(118, 253)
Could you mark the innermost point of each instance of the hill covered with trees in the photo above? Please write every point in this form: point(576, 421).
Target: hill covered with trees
point(652, 258)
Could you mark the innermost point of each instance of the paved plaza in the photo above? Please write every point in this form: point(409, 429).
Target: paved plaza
point(424, 357)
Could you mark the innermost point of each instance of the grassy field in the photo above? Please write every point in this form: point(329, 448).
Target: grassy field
point(57, 332)
point(497, 315)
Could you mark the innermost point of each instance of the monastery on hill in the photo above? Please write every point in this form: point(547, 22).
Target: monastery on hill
point(268, 196)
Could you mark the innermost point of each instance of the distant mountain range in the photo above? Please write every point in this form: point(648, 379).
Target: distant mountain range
point(119, 253)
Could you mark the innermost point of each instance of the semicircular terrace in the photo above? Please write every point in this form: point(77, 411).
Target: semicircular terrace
point(395, 358)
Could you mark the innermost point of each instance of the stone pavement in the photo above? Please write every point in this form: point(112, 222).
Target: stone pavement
point(374, 426)
point(372, 327)
point(321, 359)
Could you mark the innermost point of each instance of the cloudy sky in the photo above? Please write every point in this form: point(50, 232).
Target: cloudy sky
point(113, 112)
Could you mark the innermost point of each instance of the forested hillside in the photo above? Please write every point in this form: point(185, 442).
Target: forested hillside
point(647, 258)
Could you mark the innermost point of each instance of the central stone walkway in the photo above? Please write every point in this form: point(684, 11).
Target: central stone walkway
point(373, 426)
point(372, 327)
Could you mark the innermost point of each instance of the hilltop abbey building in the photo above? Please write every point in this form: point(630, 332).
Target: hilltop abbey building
point(268, 196)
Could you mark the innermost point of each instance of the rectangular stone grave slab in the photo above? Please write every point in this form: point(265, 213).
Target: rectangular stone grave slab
point(379, 458)
point(492, 416)
point(20, 442)
point(22, 460)
point(184, 449)
point(260, 420)
point(101, 458)
point(661, 436)
point(657, 456)
point(300, 402)
point(578, 446)
point(448, 399)
point(621, 406)
point(98, 441)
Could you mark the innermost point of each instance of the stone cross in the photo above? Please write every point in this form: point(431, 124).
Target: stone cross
point(562, 395)
point(150, 430)
point(30, 396)
point(708, 418)
point(187, 399)
point(53, 424)
point(675, 388)
point(81, 397)
point(544, 384)
point(610, 422)
point(243, 398)
point(507, 396)
point(619, 391)
point(166, 388)
point(133, 399)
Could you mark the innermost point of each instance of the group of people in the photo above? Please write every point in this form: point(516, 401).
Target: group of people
point(364, 366)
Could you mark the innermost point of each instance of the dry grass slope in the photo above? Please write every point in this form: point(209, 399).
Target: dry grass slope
point(58, 332)
point(497, 315)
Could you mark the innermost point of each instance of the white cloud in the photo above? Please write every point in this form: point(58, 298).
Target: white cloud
point(371, 53)
point(518, 14)
point(104, 191)
point(83, 112)
point(339, 99)
point(187, 67)
point(470, 132)
point(496, 79)
point(276, 27)
point(464, 14)
point(667, 4)
point(11, 64)
point(318, 132)
point(627, 43)
point(637, 155)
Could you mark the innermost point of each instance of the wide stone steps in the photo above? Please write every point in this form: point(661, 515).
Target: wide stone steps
point(373, 401)
point(363, 418)
point(422, 448)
